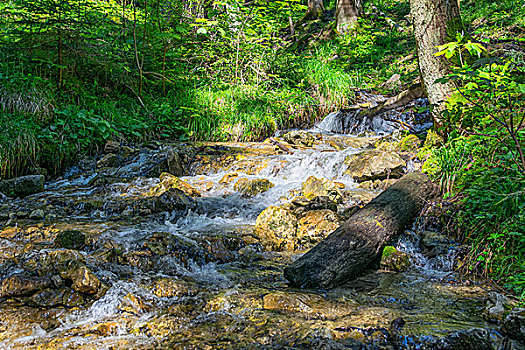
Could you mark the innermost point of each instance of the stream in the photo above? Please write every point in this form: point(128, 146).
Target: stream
point(188, 273)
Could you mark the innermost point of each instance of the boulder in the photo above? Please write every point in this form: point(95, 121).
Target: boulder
point(172, 199)
point(299, 137)
point(23, 186)
point(252, 187)
point(37, 214)
point(374, 164)
point(316, 225)
point(394, 260)
point(317, 187)
point(276, 227)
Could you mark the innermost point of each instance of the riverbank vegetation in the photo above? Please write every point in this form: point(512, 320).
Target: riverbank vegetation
point(74, 74)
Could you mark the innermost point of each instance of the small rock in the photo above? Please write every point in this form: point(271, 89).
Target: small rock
point(394, 260)
point(23, 186)
point(168, 181)
point(301, 205)
point(299, 137)
point(393, 82)
point(374, 164)
point(226, 179)
point(20, 285)
point(135, 304)
point(50, 261)
point(112, 147)
point(172, 199)
point(496, 307)
point(108, 160)
point(37, 214)
point(317, 187)
point(252, 187)
point(84, 280)
point(70, 239)
point(276, 226)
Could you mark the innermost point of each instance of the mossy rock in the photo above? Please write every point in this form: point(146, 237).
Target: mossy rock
point(410, 143)
point(394, 260)
point(374, 164)
point(276, 227)
point(70, 239)
point(318, 187)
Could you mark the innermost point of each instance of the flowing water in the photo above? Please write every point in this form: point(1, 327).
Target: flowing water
point(194, 279)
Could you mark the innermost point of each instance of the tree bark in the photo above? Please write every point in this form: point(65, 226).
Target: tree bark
point(315, 9)
point(347, 13)
point(359, 242)
point(436, 22)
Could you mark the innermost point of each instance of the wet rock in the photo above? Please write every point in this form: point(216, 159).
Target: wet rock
point(276, 226)
point(172, 199)
point(299, 137)
point(107, 329)
point(359, 196)
point(109, 160)
point(169, 288)
point(374, 164)
point(70, 239)
point(514, 325)
point(135, 304)
point(315, 225)
point(223, 247)
point(252, 187)
point(82, 278)
point(317, 187)
point(393, 82)
point(394, 260)
point(21, 285)
point(63, 296)
point(228, 178)
point(168, 181)
point(179, 247)
point(23, 186)
point(50, 261)
point(112, 147)
point(37, 214)
point(175, 164)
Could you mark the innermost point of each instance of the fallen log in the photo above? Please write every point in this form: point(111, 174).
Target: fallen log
point(359, 242)
point(412, 93)
point(280, 145)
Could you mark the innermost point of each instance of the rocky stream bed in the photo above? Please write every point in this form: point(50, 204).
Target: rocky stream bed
point(183, 246)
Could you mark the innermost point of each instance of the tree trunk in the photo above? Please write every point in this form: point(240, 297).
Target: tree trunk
point(315, 9)
point(347, 12)
point(436, 22)
point(359, 242)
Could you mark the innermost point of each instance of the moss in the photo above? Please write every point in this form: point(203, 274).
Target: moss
point(70, 239)
point(410, 143)
point(387, 251)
